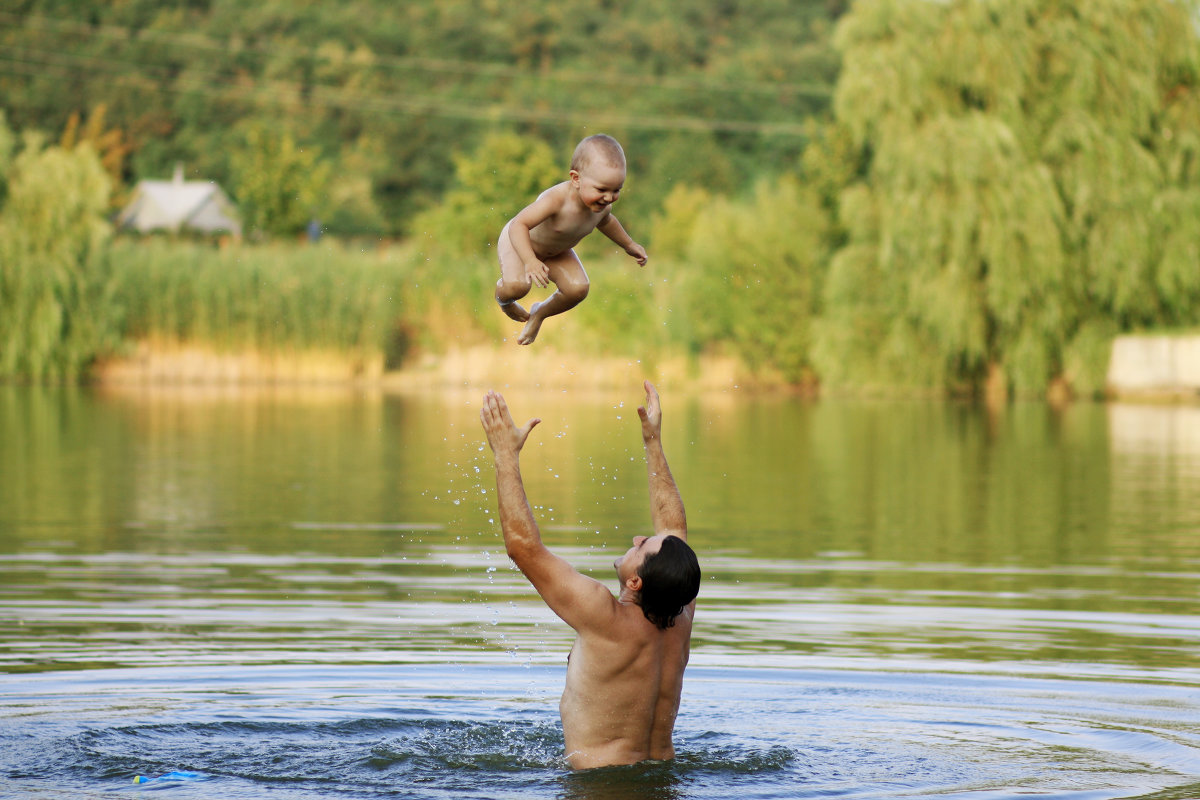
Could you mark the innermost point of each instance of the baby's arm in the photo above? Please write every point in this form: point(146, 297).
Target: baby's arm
point(549, 203)
point(613, 229)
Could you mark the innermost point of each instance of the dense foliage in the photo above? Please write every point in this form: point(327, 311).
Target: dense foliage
point(56, 311)
point(991, 192)
point(1026, 182)
point(388, 94)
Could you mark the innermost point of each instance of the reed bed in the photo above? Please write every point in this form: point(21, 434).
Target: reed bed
point(392, 301)
point(264, 297)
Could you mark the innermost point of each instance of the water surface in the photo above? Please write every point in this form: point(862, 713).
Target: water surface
point(304, 593)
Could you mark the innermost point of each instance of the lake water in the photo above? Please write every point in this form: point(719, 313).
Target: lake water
point(303, 593)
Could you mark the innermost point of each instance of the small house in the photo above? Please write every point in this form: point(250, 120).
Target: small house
point(178, 205)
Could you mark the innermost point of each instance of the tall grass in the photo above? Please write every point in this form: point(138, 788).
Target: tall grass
point(396, 302)
point(267, 297)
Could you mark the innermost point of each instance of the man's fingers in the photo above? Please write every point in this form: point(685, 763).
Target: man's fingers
point(496, 418)
point(494, 409)
point(650, 413)
point(496, 401)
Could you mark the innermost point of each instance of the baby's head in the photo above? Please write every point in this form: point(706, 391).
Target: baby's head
point(598, 149)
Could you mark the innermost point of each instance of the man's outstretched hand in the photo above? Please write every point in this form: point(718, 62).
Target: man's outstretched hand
point(651, 414)
point(504, 437)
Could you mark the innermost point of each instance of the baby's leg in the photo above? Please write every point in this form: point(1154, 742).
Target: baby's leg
point(570, 288)
point(514, 283)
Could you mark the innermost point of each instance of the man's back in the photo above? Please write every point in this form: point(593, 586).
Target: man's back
point(622, 691)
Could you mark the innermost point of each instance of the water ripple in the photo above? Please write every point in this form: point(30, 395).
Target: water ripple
point(492, 731)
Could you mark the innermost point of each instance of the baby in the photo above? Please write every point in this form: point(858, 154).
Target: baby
point(536, 245)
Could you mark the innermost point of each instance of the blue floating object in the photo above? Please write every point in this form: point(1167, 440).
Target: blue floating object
point(177, 775)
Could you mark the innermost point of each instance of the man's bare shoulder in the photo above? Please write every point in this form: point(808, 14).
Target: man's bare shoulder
point(579, 600)
point(602, 607)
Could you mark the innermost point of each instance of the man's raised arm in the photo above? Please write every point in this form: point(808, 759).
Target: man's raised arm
point(666, 506)
point(575, 598)
point(521, 535)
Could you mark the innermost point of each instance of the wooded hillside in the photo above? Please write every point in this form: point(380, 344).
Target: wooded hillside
point(372, 100)
point(904, 195)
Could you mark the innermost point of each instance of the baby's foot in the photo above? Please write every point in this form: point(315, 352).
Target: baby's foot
point(514, 311)
point(530, 331)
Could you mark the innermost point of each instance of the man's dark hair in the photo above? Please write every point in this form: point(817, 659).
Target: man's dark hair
point(670, 580)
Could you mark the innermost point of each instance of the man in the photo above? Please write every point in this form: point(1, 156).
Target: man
point(625, 670)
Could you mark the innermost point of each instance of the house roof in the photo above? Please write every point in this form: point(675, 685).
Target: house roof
point(177, 204)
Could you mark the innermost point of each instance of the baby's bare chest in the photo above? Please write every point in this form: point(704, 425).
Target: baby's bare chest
point(564, 230)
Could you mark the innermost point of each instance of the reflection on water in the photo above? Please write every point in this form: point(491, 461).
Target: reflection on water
point(1052, 555)
point(160, 527)
point(132, 608)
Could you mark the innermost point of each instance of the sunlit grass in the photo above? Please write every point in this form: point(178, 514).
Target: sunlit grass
point(265, 297)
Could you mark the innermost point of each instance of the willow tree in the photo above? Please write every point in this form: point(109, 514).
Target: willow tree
point(56, 313)
point(1026, 185)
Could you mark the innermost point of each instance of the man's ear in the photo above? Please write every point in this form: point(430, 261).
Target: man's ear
point(634, 582)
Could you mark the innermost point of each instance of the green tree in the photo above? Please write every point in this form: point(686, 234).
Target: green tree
point(279, 185)
point(352, 207)
point(8, 148)
point(430, 78)
point(1018, 183)
point(755, 271)
point(505, 173)
point(56, 311)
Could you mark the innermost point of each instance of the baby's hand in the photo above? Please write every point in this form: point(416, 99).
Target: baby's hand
point(538, 272)
point(638, 253)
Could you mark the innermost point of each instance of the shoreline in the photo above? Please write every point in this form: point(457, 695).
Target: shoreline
point(1143, 370)
point(153, 364)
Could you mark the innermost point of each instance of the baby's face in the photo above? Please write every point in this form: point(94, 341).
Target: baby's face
point(600, 185)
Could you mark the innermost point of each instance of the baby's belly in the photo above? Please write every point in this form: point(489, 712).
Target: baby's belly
point(546, 253)
point(550, 246)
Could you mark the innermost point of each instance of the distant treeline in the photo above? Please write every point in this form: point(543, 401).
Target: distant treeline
point(994, 189)
point(381, 97)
